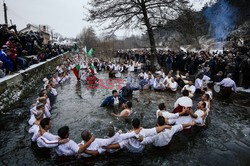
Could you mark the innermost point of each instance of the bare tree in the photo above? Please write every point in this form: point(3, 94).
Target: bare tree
point(134, 14)
point(88, 38)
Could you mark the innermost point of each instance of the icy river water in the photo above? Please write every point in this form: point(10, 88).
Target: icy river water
point(224, 141)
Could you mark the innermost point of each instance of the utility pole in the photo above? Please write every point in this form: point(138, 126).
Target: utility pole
point(5, 13)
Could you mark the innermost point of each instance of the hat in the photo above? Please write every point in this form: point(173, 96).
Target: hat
point(38, 114)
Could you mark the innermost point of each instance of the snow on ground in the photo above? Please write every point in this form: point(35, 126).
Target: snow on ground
point(23, 71)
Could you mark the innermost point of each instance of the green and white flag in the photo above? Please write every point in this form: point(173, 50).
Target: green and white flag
point(90, 53)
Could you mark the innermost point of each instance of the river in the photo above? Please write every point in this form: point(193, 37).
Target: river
point(224, 141)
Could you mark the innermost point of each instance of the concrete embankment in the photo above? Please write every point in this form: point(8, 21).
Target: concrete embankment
point(18, 86)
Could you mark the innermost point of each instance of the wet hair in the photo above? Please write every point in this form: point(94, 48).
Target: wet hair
point(210, 85)
point(39, 106)
point(229, 75)
point(42, 100)
point(204, 104)
point(207, 96)
point(86, 135)
point(129, 104)
point(161, 106)
point(161, 121)
point(114, 91)
point(44, 122)
point(42, 93)
point(185, 93)
point(136, 123)
point(63, 132)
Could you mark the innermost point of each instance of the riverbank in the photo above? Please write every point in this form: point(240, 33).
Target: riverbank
point(19, 85)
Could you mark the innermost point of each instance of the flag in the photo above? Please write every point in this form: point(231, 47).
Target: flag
point(85, 50)
point(90, 53)
point(76, 71)
point(92, 68)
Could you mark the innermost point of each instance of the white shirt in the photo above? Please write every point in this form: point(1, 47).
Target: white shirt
point(206, 78)
point(188, 119)
point(42, 142)
point(167, 80)
point(228, 82)
point(191, 88)
point(133, 145)
point(198, 83)
point(34, 130)
point(163, 138)
point(184, 102)
point(173, 86)
point(99, 143)
point(116, 101)
point(68, 149)
point(210, 93)
point(54, 92)
point(167, 114)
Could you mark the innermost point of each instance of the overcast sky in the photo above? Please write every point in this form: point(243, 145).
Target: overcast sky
point(63, 16)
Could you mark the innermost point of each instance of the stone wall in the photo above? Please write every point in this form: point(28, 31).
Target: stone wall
point(18, 86)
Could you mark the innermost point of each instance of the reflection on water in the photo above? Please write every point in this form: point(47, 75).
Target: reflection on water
point(225, 140)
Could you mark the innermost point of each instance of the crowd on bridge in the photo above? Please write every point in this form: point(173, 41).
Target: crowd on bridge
point(20, 50)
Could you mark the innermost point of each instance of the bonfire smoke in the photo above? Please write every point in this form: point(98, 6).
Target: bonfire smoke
point(222, 18)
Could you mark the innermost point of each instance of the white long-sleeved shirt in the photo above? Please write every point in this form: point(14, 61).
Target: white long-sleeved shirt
point(189, 88)
point(198, 83)
point(133, 145)
point(68, 149)
point(163, 138)
point(42, 142)
point(46, 135)
point(99, 143)
point(184, 102)
point(173, 86)
point(228, 82)
point(188, 119)
point(167, 114)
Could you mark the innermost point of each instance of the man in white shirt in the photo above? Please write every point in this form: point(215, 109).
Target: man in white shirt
point(198, 85)
point(227, 85)
point(199, 116)
point(183, 101)
point(172, 85)
point(167, 79)
point(71, 148)
point(163, 112)
point(150, 81)
point(96, 147)
point(44, 138)
point(35, 127)
point(158, 84)
point(41, 107)
point(190, 87)
point(133, 144)
point(163, 138)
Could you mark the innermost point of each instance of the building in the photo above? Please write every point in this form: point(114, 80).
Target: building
point(42, 29)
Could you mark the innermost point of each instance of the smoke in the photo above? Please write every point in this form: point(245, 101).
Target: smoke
point(222, 18)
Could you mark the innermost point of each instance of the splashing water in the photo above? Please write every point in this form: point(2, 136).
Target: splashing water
point(222, 17)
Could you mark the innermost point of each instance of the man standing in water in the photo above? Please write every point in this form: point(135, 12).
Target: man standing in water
point(163, 138)
point(127, 110)
point(227, 85)
point(133, 144)
point(115, 99)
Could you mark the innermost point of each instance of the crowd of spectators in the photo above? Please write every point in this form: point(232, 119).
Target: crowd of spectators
point(20, 50)
point(215, 64)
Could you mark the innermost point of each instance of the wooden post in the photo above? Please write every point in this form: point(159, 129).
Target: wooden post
point(5, 14)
